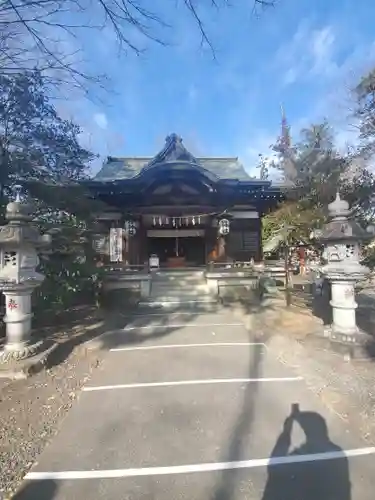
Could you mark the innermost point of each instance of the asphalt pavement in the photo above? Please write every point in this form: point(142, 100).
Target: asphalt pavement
point(194, 407)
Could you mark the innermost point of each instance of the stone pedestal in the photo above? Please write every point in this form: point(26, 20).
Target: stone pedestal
point(18, 325)
point(344, 335)
point(343, 308)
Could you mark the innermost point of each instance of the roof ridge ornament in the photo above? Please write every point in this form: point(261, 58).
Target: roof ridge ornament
point(173, 151)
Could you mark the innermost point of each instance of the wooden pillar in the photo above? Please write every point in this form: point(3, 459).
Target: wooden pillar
point(211, 243)
point(142, 247)
point(259, 256)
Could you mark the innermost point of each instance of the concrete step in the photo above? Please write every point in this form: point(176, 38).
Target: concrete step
point(168, 276)
point(183, 280)
point(179, 283)
point(157, 289)
point(178, 299)
point(170, 297)
point(176, 306)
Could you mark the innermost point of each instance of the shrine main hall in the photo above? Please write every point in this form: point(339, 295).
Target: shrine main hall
point(187, 210)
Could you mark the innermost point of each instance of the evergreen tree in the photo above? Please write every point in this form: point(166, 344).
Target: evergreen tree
point(37, 146)
point(41, 152)
point(316, 171)
point(263, 168)
point(364, 94)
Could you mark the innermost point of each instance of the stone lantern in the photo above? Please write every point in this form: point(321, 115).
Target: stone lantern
point(19, 243)
point(341, 238)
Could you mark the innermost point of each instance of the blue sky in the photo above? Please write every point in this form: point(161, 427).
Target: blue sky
point(304, 53)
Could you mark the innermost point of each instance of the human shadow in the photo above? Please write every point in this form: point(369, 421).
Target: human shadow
point(37, 490)
point(318, 469)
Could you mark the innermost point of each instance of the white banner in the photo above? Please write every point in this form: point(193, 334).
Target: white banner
point(115, 244)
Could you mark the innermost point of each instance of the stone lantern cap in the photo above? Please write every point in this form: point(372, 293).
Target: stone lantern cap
point(339, 208)
point(340, 227)
point(19, 230)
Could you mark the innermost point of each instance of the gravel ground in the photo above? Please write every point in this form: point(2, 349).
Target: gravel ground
point(347, 387)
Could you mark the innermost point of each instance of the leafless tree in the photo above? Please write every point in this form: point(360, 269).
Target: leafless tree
point(37, 33)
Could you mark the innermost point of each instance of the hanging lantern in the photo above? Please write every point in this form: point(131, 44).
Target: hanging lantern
point(154, 221)
point(160, 221)
point(199, 219)
point(132, 229)
point(166, 220)
point(173, 222)
point(193, 221)
point(224, 226)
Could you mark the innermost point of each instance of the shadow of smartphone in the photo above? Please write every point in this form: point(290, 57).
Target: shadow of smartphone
point(295, 410)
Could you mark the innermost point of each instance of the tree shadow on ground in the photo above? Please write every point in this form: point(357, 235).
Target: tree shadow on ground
point(305, 295)
point(148, 326)
point(77, 331)
point(243, 427)
point(307, 477)
point(37, 490)
point(107, 328)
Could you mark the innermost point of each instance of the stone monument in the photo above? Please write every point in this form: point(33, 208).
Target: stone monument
point(19, 242)
point(341, 237)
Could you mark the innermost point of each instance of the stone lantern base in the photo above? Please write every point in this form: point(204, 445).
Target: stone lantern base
point(20, 351)
point(350, 345)
point(11, 353)
point(344, 334)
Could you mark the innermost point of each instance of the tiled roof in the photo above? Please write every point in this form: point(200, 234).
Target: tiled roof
point(174, 150)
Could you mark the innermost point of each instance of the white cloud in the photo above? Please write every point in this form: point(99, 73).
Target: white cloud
point(192, 93)
point(101, 120)
point(311, 51)
point(322, 50)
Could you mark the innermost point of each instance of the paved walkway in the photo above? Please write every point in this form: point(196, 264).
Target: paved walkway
point(193, 407)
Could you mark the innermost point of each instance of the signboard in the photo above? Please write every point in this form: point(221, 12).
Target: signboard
point(100, 244)
point(115, 244)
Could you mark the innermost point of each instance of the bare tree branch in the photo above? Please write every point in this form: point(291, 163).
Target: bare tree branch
point(36, 33)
